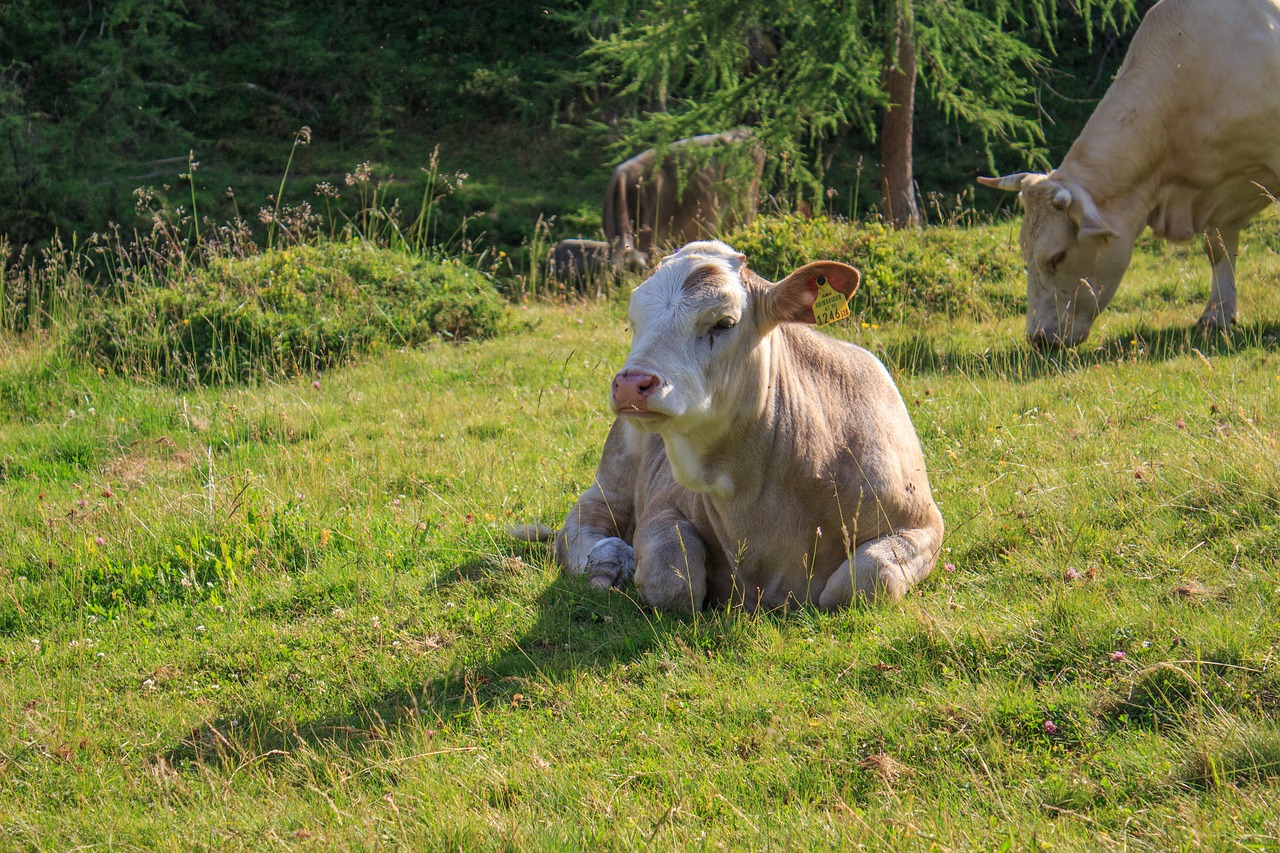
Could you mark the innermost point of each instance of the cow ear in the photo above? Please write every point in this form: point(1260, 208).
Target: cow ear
point(1093, 225)
point(791, 300)
point(1089, 218)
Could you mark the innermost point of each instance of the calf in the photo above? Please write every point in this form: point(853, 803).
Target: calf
point(753, 461)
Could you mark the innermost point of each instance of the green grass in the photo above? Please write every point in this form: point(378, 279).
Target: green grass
point(287, 311)
point(283, 616)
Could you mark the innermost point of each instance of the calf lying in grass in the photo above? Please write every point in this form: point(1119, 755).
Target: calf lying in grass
point(754, 461)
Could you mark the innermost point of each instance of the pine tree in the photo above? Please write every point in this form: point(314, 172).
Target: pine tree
point(803, 73)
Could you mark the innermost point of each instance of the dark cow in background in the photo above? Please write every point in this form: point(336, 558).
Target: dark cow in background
point(579, 263)
point(685, 193)
point(1186, 141)
point(688, 193)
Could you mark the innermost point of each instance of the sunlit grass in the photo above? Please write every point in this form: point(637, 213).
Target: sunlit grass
point(287, 615)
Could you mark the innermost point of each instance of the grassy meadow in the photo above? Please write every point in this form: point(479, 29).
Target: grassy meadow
point(283, 613)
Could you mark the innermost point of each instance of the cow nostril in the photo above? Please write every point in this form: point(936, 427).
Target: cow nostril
point(636, 384)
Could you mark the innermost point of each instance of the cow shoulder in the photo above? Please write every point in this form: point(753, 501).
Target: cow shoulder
point(842, 372)
point(862, 415)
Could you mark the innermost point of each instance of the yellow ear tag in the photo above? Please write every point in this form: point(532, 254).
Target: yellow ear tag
point(831, 305)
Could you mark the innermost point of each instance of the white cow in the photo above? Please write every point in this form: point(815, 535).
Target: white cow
point(1186, 140)
point(754, 460)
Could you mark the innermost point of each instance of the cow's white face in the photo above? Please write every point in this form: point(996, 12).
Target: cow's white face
point(1074, 259)
point(689, 324)
point(700, 337)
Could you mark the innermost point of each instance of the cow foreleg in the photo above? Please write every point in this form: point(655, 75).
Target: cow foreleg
point(593, 539)
point(883, 569)
point(589, 541)
point(1221, 247)
point(671, 563)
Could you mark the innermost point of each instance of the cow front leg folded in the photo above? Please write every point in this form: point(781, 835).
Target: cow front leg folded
point(590, 541)
point(883, 569)
point(606, 561)
point(671, 563)
point(611, 563)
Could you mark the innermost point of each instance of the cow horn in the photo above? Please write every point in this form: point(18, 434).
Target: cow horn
point(1008, 183)
point(1061, 199)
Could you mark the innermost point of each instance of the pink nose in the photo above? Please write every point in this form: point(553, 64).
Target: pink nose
point(631, 391)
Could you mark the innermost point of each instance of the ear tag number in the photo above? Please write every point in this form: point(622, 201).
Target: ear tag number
point(831, 305)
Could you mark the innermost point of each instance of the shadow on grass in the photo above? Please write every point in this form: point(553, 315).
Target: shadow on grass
point(577, 628)
point(1017, 361)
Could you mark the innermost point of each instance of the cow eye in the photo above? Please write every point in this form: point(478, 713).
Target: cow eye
point(724, 324)
point(1056, 260)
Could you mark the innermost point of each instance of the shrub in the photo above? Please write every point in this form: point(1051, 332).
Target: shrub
point(287, 311)
point(941, 269)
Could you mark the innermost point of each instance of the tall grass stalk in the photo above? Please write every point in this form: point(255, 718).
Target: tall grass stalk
point(301, 138)
point(190, 177)
point(422, 226)
point(536, 278)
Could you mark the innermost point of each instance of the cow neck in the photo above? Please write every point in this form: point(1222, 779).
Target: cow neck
point(793, 419)
point(1117, 158)
point(734, 462)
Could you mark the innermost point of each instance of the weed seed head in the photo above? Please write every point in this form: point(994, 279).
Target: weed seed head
point(360, 176)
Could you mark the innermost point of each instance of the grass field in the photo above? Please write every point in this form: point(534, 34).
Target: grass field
point(286, 615)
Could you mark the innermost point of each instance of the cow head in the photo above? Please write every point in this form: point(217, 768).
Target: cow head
point(701, 338)
point(628, 257)
point(1074, 258)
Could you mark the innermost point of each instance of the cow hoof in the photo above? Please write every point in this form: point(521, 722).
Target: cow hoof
point(887, 584)
point(1214, 320)
point(670, 591)
point(611, 563)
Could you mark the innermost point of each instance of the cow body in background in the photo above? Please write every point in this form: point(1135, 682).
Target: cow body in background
point(578, 263)
point(1186, 141)
point(685, 192)
point(753, 460)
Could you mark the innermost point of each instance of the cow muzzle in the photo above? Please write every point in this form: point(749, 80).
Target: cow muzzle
point(1060, 337)
point(632, 390)
point(1043, 340)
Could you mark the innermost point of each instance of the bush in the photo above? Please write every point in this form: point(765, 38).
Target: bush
point(941, 269)
point(287, 311)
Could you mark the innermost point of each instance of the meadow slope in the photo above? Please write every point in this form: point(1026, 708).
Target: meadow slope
point(286, 615)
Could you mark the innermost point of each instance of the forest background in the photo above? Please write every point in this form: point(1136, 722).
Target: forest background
point(98, 99)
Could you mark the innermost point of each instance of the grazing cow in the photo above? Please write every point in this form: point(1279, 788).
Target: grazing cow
point(1186, 141)
point(686, 194)
point(578, 262)
point(753, 460)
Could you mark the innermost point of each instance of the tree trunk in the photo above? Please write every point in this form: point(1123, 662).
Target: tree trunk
point(897, 183)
